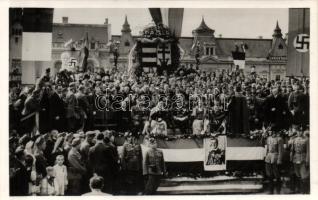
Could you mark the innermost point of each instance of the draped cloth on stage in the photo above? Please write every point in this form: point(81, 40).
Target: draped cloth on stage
point(171, 17)
point(175, 21)
point(238, 115)
point(156, 15)
point(165, 15)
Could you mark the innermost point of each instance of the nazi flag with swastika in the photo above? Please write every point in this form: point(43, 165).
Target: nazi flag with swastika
point(301, 43)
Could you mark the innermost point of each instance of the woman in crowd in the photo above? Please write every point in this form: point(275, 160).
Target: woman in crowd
point(199, 115)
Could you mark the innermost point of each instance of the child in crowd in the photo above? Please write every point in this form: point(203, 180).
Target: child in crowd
point(60, 171)
point(49, 185)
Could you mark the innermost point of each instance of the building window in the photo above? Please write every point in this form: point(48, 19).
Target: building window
point(280, 46)
point(212, 51)
point(277, 78)
point(127, 44)
point(16, 66)
point(209, 51)
point(60, 35)
point(93, 45)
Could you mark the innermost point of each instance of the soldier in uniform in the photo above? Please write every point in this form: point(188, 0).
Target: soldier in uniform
point(273, 156)
point(132, 165)
point(299, 155)
point(297, 104)
point(155, 167)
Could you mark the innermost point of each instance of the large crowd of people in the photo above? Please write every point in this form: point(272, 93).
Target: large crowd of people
point(62, 128)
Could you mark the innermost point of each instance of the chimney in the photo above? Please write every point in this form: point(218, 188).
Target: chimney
point(106, 21)
point(65, 20)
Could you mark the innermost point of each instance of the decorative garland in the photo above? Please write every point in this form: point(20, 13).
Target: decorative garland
point(155, 35)
point(254, 135)
point(157, 31)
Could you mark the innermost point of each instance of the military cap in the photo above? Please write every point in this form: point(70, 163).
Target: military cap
point(75, 142)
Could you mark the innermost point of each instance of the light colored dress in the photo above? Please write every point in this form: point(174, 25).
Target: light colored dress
point(61, 177)
point(48, 189)
point(198, 123)
point(160, 128)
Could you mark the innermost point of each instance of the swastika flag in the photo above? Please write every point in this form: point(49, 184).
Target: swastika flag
point(298, 47)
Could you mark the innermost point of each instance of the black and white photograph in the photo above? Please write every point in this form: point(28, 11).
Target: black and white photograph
point(159, 101)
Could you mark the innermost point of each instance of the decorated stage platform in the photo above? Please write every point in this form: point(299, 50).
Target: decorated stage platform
point(211, 185)
point(209, 154)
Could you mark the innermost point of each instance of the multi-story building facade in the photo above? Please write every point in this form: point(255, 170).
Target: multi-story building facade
point(269, 56)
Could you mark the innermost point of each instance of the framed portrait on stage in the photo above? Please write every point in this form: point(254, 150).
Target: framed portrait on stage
point(214, 149)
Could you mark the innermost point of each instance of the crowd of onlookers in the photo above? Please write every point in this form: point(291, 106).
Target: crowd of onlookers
point(53, 150)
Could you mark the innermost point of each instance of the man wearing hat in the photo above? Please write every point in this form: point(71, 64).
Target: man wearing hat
point(19, 182)
point(31, 106)
point(86, 145)
point(76, 168)
point(299, 155)
point(83, 105)
point(297, 104)
point(132, 165)
point(102, 162)
point(71, 108)
point(45, 78)
point(273, 156)
point(57, 111)
point(155, 167)
point(275, 109)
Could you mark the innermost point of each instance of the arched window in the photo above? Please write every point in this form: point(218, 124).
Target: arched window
point(280, 46)
point(127, 44)
point(92, 45)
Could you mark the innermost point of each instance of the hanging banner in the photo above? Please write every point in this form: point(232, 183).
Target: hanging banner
point(298, 42)
point(169, 17)
point(175, 21)
point(214, 153)
point(156, 15)
point(69, 61)
point(37, 34)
